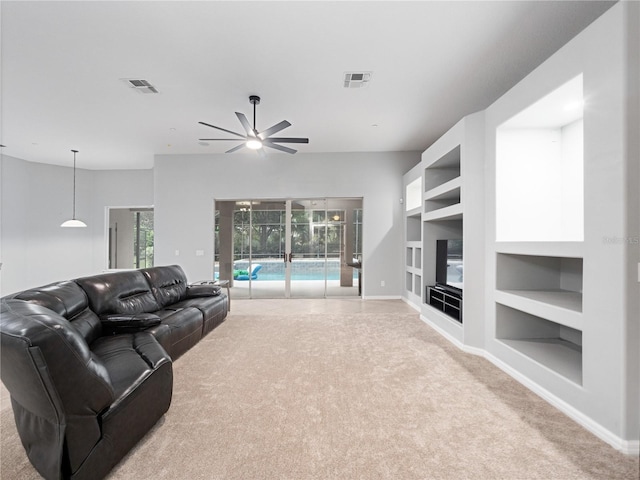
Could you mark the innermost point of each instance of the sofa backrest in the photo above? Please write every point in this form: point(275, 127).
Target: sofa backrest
point(70, 301)
point(168, 283)
point(125, 292)
point(57, 386)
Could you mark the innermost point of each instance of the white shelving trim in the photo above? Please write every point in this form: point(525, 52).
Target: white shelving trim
point(559, 356)
point(434, 313)
point(560, 306)
point(414, 212)
point(453, 212)
point(548, 249)
point(450, 189)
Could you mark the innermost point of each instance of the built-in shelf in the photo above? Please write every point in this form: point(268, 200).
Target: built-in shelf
point(414, 212)
point(453, 212)
point(560, 356)
point(544, 249)
point(554, 281)
point(413, 255)
point(414, 229)
point(417, 287)
point(443, 169)
point(560, 306)
point(450, 189)
point(443, 195)
point(555, 346)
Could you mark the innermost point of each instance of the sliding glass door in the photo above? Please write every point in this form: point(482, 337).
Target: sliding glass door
point(298, 248)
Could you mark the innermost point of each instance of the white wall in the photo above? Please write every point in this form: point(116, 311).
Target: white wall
point(37, 198)
point(186, 186)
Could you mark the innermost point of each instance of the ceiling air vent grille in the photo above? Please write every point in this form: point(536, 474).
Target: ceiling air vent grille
point(140, 86)
point(357, 79)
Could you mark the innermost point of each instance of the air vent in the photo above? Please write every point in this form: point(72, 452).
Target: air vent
point(357, 79)
point(140, 86)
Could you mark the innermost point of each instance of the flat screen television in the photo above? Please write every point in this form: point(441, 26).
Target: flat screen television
point(449, 266)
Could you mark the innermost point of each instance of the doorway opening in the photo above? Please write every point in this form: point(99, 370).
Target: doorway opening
point(289, 248)
point(130, 237)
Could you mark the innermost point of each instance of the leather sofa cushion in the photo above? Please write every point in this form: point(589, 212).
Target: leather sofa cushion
point(129, 358)
point(65, 298)
point(214, 310)
point(68, 300)
point(168, 283)
point(119, 292)
point(185, 324)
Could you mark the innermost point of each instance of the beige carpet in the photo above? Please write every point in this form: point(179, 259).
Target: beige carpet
point(356, 395)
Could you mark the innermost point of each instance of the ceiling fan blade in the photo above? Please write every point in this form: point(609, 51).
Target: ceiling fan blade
point(288, 140)
point(218, 139)
point(261, 153)
point(223, 129)
point(278, 147)
point(245, 124)
point(271, 130)
point(236, 148)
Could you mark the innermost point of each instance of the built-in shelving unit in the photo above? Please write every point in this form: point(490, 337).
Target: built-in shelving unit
point(443, 184)
point(538, 187)
point(450, 169)
point(539, 311)
point(413, 235)
point(539, 255)
point(442, 219)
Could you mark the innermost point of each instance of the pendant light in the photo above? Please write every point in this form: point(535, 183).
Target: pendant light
point(74, 222)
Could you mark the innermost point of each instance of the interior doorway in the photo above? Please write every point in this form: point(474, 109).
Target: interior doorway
point(130, 237)
point(289, 248)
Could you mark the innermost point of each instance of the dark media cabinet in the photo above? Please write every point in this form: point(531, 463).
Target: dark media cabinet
point(445, 300)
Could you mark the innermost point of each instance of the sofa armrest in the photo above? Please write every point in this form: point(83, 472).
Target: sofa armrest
point(195, 291)
point(123, 323)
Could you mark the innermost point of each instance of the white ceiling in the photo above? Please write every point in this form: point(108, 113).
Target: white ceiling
point(432, 63)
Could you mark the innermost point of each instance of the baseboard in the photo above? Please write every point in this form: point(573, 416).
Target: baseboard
point(628, 447)
point(444, 333)
point(411, 304)
point(382, 297)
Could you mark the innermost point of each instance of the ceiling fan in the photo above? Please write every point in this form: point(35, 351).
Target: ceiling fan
point(255, 140)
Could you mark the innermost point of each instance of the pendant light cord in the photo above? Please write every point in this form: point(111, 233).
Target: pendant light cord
point(74, 184)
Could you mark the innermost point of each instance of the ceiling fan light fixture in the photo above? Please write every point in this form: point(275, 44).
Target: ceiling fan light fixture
point(254, 144)
point(254, 139)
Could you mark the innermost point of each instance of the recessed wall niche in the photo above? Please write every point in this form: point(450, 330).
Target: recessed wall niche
point(539, 169)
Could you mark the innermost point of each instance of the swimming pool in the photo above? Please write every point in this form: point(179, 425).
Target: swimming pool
point(301, 269)
point(301, 276)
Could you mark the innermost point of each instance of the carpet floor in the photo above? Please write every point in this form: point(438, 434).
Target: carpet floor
point(356, 395)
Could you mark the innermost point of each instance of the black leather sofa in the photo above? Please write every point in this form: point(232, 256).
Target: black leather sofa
point(88, 362)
